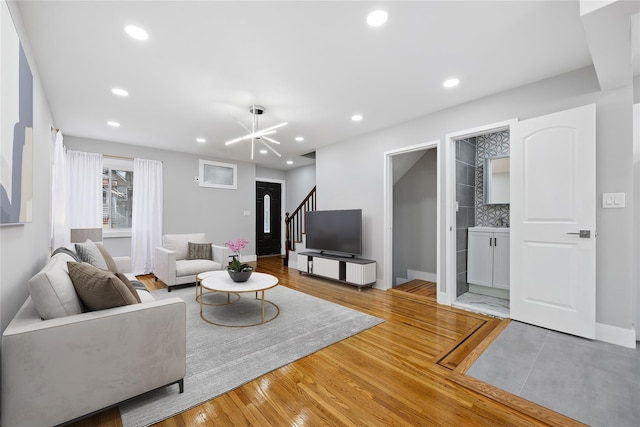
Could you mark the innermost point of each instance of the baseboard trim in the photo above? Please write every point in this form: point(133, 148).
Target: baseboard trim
point(616, 335)
point(421, 275)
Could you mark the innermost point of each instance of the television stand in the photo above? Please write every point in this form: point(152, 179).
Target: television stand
point(354, 271)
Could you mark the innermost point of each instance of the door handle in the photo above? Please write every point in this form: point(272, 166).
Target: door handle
point(584, 234)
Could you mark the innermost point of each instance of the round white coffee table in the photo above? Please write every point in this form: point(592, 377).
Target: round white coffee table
point(219, 281)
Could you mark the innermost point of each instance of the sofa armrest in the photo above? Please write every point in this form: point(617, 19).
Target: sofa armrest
point(220, 255)
point(165, 265)
point(57, 370)
point(123, 263)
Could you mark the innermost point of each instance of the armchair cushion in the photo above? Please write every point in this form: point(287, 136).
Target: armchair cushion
point(89, 252)
point(52, 290)
point(199, 251)
point(99, 289)
point(190, 267)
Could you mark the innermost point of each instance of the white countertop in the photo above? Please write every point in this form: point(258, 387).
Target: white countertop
point(490, 229)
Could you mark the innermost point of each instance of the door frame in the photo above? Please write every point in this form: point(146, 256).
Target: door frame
point(282, 209)
point(447, 291)
point(387, 276)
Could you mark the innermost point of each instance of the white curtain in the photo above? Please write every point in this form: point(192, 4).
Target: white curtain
point(146, 227)
point(59, 225)
point(84, 209)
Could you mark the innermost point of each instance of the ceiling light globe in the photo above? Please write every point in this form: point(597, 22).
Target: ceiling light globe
point(299, 138)
point(377, 18)
point(357, 117)
point(113, 124)
point(119, 92)
point(451, 83)
point(201, 140)
point(136, 32)
point(289, 162)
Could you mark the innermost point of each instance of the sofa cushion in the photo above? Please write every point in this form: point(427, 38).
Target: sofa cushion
point(199, 251)
point(99, 289)
point(179, 243)
point(89, 252)
point(129, 285)
point(188, 267)
point(108, 259)
point(52, 290)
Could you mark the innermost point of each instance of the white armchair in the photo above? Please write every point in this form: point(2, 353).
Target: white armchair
point(172, 265)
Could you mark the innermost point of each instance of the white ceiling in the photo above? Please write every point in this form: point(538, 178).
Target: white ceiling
point(310, 63)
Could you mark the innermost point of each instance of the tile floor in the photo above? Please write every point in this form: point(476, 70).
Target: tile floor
point(591, 381)
point(493, 306)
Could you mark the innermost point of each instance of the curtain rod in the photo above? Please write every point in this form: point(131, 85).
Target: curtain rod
point(117, 157)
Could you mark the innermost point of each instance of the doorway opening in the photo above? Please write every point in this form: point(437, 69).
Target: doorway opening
point(478, 240)
point(411, 218)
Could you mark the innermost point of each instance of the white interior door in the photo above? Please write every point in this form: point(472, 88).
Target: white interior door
point(553, 198)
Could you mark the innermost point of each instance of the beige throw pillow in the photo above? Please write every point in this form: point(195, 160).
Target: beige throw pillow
point(99, 289)
point(199, 251)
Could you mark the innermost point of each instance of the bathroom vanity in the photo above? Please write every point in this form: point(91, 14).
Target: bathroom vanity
point(488, 257)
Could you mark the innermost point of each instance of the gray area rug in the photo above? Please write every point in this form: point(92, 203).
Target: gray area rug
point(590, 381)
point(220, 359)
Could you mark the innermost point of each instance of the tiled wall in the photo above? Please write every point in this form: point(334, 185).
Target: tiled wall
point(465, 195)
point(490, 145)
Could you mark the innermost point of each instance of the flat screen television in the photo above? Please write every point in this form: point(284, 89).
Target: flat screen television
point(335, 231)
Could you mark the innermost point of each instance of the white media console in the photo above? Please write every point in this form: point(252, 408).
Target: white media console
point(353, 271)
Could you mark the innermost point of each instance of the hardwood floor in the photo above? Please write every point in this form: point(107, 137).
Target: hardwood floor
point(397, 373)
point(419, 287)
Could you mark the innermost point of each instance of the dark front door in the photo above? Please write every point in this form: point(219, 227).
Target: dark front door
point(268, 218)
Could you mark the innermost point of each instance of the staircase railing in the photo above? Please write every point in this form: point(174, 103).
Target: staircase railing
point(295, 223)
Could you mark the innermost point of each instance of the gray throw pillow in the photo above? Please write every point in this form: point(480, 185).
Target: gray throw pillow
point(89, 252)
point(99, 289)
point(199, 251)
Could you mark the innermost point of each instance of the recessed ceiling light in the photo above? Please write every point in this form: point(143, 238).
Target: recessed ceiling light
point(113, 124)
point(136, 32)
point(263, 151)
point(356, 117)
point(201, 140)
point(299, 138)
point(289, 162)
point(119, 92)
point(451, 82)
point(377, 18)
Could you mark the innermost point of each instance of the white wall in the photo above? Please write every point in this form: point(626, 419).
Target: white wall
point(344, 183)
point(189, 208)
point(300, 181)
point(262, 172)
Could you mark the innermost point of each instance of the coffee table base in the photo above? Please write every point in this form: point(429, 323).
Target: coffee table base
point(229, 302)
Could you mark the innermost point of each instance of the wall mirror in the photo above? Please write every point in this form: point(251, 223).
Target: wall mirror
point(496, 180)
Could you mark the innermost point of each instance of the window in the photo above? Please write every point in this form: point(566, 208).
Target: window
point(267, 214)
point(218, 175)
point(117, 194)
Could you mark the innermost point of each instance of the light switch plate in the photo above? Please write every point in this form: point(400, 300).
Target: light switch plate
point(613, 200)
